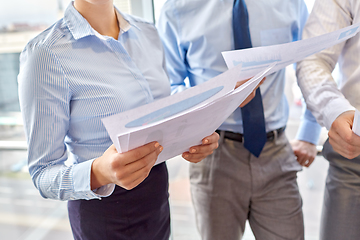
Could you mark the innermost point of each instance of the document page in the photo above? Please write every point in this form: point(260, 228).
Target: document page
point(182, 120)
point(169, 107)
point(253, 59)
point(356, 123)
point(177, 133)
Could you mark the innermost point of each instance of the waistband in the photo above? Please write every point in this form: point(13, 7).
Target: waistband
point(238, 137)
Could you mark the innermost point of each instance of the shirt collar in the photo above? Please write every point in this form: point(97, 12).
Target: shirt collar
point(80, 28)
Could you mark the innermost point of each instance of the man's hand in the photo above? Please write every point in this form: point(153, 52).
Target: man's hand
point(305, 152)
point(198, 153)
point(126, 170)
point(342, 138)
point(252, 94)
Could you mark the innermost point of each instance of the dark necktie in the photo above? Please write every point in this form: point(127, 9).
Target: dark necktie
point(253, 112)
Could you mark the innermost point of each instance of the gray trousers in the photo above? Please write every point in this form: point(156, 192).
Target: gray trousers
point(232, 186)
point(341, 209)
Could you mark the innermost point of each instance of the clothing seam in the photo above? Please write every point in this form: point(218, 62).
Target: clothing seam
point(68, 99)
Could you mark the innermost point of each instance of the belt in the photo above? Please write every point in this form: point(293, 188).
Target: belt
point(238, 137)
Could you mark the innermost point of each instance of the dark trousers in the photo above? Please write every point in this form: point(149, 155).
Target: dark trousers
point(142, 213)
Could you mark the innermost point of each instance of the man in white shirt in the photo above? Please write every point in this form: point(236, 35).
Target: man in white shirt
point(333, 104)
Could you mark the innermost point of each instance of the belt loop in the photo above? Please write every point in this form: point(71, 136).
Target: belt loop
point(275, 132)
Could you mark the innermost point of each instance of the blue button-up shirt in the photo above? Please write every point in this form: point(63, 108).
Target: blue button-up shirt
point(71, 77)
point(195, 33)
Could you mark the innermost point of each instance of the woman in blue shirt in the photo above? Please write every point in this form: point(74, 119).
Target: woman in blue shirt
point(93, 63)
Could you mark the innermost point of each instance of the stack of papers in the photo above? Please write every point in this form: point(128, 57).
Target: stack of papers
point(182, 120)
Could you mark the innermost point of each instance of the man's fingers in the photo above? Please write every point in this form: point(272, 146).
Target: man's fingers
point(214, 137)
point(203, 148)
point(248, 99)
point(343, 143)
point(342, 138)
point(195, 157)
point(300, 159)
point(347, 150)
point(197, 153)
point(239, 83)
point(209, 143)
point(309, 162)
point(262, 81)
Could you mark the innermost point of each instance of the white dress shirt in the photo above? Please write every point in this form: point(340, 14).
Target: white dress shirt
point(325, 97)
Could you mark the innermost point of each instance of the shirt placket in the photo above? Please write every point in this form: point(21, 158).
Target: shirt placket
point(124, 56)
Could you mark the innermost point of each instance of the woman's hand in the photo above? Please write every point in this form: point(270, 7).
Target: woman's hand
point(198, 153)
point(126, 170)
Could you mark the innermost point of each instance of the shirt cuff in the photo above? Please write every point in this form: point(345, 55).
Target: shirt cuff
point(335, 109)
point(81, 182)
point(309, 130)
point(105, 191)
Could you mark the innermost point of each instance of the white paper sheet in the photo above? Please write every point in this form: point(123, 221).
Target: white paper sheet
point(168, 107)
point(254, 59)
point(356, 123)
point(182, 120)
point(177, 133)
point(181, 102)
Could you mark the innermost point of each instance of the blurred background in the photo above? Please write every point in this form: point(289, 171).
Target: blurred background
point(24, 215)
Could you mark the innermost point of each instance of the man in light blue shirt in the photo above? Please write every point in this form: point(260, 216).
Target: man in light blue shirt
point(232, 185)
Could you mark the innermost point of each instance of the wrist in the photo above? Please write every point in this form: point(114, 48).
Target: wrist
point(97, 179)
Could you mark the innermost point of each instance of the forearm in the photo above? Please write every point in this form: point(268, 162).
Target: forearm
point(314, 73)
point(309, 130)
point(63, 182)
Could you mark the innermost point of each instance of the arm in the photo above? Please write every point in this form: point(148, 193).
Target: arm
point(319, 89)
point(175, 52)
point(304, 145)
point(176, 66)
point(322, 95)
point(44, 100)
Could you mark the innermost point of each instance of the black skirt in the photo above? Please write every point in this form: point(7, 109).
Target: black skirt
point(142, 213)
